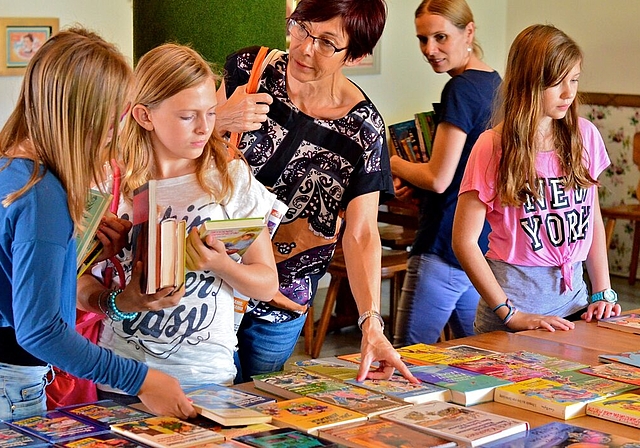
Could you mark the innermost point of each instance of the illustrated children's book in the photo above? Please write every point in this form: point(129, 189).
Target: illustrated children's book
point(229, 432)
point(359, 399)
point(399, 387)
point(332, 367)
point(629, 358)
point(227, 413)
point(378, 433)
point(88, 247)
point(212, 392)
point(404, 137)
point(283, 438)
point(559, 434)
point(629, 322)
point(104, 440)
point(467, 388)
point(602, 386)
point(104, 413)
point(56, 426)
point(309, 415)
point(467, 426)
point(615, 371)
point(547, 397)
point(166, 432)
point(624, 409)
point(281, 383)
point(14, 438)
point(236, 234)
point(443, 355)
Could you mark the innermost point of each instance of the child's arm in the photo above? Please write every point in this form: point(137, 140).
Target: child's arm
point(467, 227)
point(598, 269)
point(255, 277)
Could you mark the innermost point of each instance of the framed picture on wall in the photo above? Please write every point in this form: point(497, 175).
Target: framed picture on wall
point(20, 38)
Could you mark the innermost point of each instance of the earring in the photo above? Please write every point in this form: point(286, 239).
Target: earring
point(469, 49)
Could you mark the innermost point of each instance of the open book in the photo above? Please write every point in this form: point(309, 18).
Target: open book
point(88, 247)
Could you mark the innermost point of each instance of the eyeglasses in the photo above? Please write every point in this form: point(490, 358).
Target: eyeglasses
point(323, 46)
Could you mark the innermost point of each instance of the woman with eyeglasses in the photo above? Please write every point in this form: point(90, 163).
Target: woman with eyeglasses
point(314, 138)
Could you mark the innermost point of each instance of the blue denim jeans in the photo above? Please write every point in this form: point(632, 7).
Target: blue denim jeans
point(434, 293)
point(22, 390)
point(264, 347)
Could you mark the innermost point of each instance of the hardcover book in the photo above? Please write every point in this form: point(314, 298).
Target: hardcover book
point(56, 426)
point(236, 234)
point(629, 322)
point(104, 440)
point(467, 388)
point(166, 432)
point(210, 392)
point(281, 383)
point(615, 371)
point(382, 434)
point(309, 415)
point(283, 438)
point(88, 247)
point(443, 355)
point(14, 438)
point(559, 434)
point(623, 409)
point(547, 397)
point(104, 413)
point(629, 358)
point(400, 388)
point(458, 423)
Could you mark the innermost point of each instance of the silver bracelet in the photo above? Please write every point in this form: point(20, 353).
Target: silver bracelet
point(367, 314)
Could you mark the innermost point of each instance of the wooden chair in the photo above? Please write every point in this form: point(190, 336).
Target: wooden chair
point(630, 212)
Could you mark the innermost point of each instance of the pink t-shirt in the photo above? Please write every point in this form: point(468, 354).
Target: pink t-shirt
point(555, 231)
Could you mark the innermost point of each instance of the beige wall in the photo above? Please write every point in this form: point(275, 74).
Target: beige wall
point(607, 31)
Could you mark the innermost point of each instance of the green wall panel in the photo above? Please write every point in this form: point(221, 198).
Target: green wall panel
point(215, 28)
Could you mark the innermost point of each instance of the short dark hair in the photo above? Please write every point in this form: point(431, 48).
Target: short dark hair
point(363, 20)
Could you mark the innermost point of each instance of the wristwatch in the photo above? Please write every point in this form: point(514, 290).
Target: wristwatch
point(608, 295)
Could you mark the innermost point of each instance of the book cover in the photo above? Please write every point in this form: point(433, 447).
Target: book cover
point(615, 371)
point(602, 386)
point(226, 413)
point(629, 322)
point(309, 415)
point(623, 409)
point(382, 434)
point(104, 413)
point(211, 392)
point(629, 358)
point(355, 358)
point(280, 383)
point(144, 235)
point(404, 137)
point(88, 246)
point(467, 388)
point(400, 388)
point(166, 432)
point(229, 432)
point(427, 127)
point(546, 397)
point(452, 422)
point(330, 367)
point(283, 438)
point(519, 366)
point(443, 355)
point(104, 440)
point(358, 399)
point(236, 234)
point(56, 426)
point(559, 434)
point(14, 438)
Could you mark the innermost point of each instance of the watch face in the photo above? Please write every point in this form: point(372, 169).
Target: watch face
point(610, 295)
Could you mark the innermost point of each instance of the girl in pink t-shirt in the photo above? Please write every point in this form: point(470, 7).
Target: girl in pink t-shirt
point(533, 178)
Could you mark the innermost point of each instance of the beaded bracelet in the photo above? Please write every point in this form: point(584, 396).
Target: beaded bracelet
point(367, 314)
point(114, 312)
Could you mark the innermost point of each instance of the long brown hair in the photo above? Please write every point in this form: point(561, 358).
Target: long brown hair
point(539, 58)
point(160, 74)
point(72, 94)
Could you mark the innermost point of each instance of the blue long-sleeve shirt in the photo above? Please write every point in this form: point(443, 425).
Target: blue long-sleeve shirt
point(38, 282)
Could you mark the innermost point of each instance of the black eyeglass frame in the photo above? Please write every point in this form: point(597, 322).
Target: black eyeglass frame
point(293, 23)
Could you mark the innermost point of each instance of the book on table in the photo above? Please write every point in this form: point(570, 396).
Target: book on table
point(159, 245)
point(467, 388)
point(88, 247)
point(104, 413)
point(358, 399)
point(623, 409)
point(216, 392)
point(377, 433)
point(560, 434)
point(615, 371)
point(11, 437)
point(461, 424)
point(166, 432)
point(236, 234)
point(602, 386)
point(309, 415)
point(629, 358)
point(332, 367)
point(283, 437)
point(628, 322)
point(229, 432)
point(547, 397)
point(400, 388)
point(56, 426)
point(103, 440)
point(223, 406)
point(280, 383)
point(443, 355)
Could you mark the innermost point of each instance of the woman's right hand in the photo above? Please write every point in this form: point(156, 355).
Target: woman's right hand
point(242, 111)
point(163, 395)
